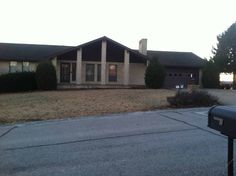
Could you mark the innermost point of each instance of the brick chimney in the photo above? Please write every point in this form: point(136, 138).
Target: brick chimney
point(143, 46)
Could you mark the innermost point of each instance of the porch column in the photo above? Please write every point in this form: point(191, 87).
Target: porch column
point(79, 66)
point(200, 78)
point(126, 67)
point(103, 62)
point(54, 63)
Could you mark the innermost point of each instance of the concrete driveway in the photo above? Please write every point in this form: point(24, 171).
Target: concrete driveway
point(226, 97)
point(166, 142)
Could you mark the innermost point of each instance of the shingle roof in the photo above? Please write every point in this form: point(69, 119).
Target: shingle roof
point(177, 59)
point(33, 52)
point(104, 38)
point(28, 52)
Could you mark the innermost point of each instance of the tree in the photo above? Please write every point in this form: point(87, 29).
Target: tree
point(155, 74)
point(210, 75)
point(46, 77)
point(225, 52)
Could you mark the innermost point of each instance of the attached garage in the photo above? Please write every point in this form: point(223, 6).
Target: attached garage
point(182, 68)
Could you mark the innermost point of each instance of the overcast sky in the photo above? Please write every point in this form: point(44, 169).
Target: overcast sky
point(174, 25)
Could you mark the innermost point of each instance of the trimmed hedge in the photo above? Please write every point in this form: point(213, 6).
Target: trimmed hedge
point(18, 82)
point(193, 99)
point(46, 77)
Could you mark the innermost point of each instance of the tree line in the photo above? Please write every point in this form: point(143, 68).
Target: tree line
point(223, 60)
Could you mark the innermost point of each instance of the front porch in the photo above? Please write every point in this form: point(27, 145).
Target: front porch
point(72, 86)
point(102, 63)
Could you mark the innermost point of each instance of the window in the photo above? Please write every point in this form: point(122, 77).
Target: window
point(90, 72)
point(13, 67)
point(170, 74)
point(180, 74)
point(112, 73)
point(25, 67)
point(73, 70)
point(99, 72)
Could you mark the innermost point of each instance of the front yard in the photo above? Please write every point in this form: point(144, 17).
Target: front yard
point(59, 104)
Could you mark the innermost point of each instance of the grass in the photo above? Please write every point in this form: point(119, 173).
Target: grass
point(17, 107)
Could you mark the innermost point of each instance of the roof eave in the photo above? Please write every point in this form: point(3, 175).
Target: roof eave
point(96, 40)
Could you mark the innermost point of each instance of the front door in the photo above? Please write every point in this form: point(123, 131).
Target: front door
point(65, 72)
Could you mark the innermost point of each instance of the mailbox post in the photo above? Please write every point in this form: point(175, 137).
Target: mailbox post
point(223, 119)
point(230, 156)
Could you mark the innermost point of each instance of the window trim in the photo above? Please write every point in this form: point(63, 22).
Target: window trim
point(99, 72)
point(73, 71)
point(28, 66)
point(89, 64)
point(10, 66)
point(116, 72)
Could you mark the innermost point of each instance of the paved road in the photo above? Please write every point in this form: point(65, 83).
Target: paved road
point(173, 142)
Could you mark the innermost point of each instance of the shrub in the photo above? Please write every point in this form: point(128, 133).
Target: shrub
point(155, 74)
point(46, 76)
point(210, 76)
point(193, 98)
point(17, 82)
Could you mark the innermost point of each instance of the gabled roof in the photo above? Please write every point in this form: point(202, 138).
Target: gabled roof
point(123, 46)
point(34, 52)
point(28, 52)
point(104, 38)
point(177, 59)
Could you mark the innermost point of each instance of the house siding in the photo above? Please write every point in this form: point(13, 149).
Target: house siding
point(137, 73)
point(4, 67)
point(58, 69)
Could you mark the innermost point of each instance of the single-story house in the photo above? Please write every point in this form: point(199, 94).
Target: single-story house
point(101, 63)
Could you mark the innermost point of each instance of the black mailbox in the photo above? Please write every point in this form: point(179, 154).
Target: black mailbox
point(223, 119)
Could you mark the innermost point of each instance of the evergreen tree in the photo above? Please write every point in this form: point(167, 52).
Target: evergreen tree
point(210, 75)
point(46, 76)
point(225, 52)
point(155, 74)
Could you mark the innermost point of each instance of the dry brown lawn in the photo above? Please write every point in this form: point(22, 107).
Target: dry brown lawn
point(60, 104)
